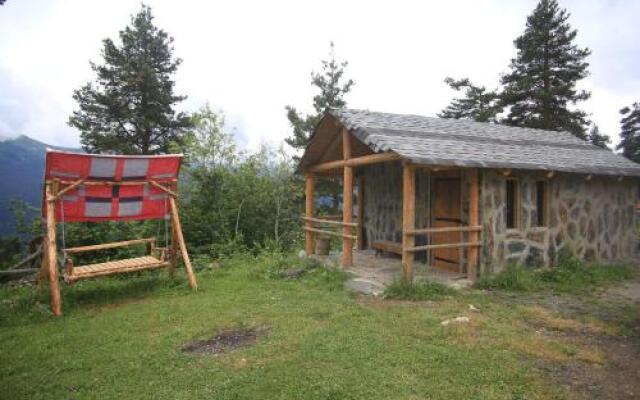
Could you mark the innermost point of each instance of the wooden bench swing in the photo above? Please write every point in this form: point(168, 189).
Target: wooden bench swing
point(87, 187)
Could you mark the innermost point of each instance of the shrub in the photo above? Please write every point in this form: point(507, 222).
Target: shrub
point(570, 275)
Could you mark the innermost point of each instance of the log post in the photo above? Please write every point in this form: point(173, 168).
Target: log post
point(347, 201)
point(50, 246)
point(183, 247)
point(474, 220)
point(309, 244)
point(360, 227)
point(408, 219)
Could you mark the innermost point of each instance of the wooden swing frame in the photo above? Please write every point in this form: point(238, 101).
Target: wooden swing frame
point(54, 190)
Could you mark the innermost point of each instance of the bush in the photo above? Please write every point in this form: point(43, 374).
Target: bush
point(417, 291)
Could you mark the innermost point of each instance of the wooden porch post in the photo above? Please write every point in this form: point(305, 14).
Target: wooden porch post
point(347, 202)
point(359, 229)
point(408, 219)
point(474, 220)
point(49, 257)
point(309, 210)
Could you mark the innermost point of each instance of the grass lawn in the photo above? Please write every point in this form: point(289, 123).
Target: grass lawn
point(122, 338)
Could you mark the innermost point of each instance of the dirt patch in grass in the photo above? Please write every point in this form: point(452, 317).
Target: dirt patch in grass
point(603, 352)
point(225, 341)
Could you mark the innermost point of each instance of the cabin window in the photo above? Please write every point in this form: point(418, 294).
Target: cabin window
point(541, 203)
point(513, 204)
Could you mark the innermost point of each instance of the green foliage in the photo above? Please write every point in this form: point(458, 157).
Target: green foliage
point(570, 275)
point(332, 92)
point(540, 89)
point(129, 109)
point(417, 291)
point(478, 103)
point(234, 201)
point(27, 228)
point(515, 278)
point(630, 132)
point(599, 139)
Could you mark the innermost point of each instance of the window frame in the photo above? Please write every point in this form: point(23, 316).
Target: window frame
point(544, 222)
point(517, 205)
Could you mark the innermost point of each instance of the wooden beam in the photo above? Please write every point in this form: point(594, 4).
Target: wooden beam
point(104, 246)
point(329, 221)
point(474, 220)
point(163, 188)
point(355, 162)
point(442, 246)
point(426, 231)
point(347, 201)
point(51, 190)
point(360, 227)
point(329, 233)
point(113, 183)
point(309, 210)
point(408, 219)
point(67, 189)
point(175, 217)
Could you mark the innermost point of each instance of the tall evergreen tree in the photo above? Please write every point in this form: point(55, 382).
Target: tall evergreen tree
point(130, 107)
point(630, 132)
point(541, 85)
point(478, 103)
point(333, 88)
point(597, 138)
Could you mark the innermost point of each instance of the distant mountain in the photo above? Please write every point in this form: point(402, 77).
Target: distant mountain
point(21, 172)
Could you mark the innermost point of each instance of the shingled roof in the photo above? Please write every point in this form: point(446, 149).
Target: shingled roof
point(450, 142)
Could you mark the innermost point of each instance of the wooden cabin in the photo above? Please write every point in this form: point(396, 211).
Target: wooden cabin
point(468, 196)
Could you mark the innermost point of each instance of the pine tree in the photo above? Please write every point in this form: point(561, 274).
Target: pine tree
point(332, 90)
point(630, 132)
point(478, 103)
point(541, 85)
point(597, 138)
point(130, 107)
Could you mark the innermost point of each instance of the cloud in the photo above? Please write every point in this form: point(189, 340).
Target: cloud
point(251, 58)
point(29, 110)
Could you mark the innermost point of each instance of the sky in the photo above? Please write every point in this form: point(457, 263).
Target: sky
point(252, 58)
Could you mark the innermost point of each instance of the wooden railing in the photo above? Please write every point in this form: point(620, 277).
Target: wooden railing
point(329, 222)
point(430, 231)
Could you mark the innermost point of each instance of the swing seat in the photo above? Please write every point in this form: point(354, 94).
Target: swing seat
point(155, 259)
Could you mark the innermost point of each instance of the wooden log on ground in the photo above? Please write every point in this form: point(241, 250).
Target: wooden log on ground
point(15, 274)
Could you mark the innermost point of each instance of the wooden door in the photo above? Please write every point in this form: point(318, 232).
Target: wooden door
point(446, 211)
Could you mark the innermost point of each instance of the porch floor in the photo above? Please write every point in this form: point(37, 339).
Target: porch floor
point(378, 271)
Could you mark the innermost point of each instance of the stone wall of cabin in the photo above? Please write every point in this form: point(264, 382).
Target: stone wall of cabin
point(383, 203)
point(594, 219)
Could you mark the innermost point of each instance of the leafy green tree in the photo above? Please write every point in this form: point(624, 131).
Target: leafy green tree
point(597, 138)
point(478, 103)
point(129, 109)
point(630, 132)
point(333, 87)
point(540, 88)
